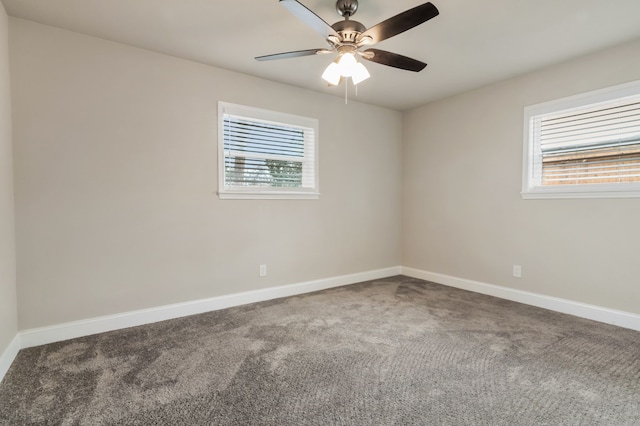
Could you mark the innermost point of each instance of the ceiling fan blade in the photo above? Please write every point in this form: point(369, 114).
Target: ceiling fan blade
point(309, 18)
point(294, 54)
point(393, 60)
point(400, 23)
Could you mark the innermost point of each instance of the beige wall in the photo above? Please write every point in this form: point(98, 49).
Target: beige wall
point(115, 179)
point(463, 215)
point(8, 315)
point(115, 159)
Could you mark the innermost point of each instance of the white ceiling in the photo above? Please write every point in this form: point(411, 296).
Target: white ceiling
point(470, 44)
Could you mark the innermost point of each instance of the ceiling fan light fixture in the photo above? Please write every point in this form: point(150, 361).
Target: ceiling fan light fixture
point(347, 64)
point(360, 73)
point(332, 74)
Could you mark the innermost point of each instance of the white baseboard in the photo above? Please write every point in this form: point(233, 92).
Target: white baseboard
point(583, 310)
point(71, 330)
point(60, 332)
point(9, 355)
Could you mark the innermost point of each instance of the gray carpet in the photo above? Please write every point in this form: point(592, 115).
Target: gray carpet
point(397, 351)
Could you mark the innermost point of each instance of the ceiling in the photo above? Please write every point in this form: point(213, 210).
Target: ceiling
point(470, 44)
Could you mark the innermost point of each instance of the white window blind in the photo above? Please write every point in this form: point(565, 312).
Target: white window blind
point(590, 147)
point(265, 154)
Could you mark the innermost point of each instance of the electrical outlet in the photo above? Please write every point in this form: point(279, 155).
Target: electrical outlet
point(263, 270)
point(517, 271)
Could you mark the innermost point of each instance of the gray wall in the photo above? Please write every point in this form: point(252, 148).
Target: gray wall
point(8, 315)
point(463, 215)
point(115, 159)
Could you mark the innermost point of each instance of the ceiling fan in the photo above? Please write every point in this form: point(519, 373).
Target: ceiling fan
point(347, 37)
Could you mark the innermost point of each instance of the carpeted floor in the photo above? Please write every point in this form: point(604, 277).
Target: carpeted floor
point(397, 351)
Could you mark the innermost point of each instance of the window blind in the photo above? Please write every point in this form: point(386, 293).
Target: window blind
point(259, 153)
point(594, 144)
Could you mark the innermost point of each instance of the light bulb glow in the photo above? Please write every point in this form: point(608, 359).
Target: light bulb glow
point(347, 64)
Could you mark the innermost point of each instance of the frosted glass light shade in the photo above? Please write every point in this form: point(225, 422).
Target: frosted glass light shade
point(332, 74)
point(345, 66)
point(360, 73)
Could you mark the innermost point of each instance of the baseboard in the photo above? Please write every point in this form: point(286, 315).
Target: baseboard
point(583, 310)
point(71, 330)
point(9, 355)
point(60, 332)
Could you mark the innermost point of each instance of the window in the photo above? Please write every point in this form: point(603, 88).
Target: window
point(266, 154)
point(585, 146)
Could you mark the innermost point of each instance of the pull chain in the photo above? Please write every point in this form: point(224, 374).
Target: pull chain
point(346, 86)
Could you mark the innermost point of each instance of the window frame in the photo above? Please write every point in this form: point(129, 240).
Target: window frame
point(593, 190)
point(268, 192)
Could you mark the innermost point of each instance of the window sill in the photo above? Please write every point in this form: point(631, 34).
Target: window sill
point(581, 192)
point(245, 195)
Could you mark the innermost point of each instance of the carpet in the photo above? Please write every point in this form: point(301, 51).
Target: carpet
point(395, 351)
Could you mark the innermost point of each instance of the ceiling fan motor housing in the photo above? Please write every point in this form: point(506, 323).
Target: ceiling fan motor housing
point(349, 30)
point(347, 8)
